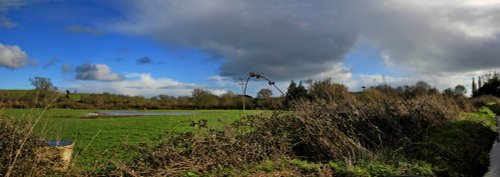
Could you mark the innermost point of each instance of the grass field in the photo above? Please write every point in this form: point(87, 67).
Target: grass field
point(100, 143)
point(99, 140)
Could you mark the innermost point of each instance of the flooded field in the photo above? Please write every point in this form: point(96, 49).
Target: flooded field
point(143, 113)
point(494, 170)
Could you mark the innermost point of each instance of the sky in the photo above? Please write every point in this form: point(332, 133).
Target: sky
point(171, 47)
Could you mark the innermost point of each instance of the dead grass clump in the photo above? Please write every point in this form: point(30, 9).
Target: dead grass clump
point(333, 126)
point(350, 128)
point(327, 91)
point(485, 100)
point(211, 151)
point(17, 159)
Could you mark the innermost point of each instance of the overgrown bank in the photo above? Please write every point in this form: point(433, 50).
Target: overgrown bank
point(20, 151)
point(381, 132)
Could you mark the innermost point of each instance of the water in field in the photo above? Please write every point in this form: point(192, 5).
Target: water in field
point(494, 170)
point(54, 143)
point(143, 113)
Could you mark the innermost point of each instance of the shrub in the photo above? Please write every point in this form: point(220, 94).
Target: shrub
point(485, 100)
point(374, 167)
point(318, 131)
point(306, 167)
point(19, 150)
point(212, 151)
point(458, 148)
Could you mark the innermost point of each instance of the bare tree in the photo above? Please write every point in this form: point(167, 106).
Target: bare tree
point(45, 91)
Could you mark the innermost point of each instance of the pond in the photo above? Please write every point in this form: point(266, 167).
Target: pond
point(143, 113)
point(55, 143)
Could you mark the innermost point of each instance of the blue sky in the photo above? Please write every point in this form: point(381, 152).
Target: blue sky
point(171, 47)
point(42, 32)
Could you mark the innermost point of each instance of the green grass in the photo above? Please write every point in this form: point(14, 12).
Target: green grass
point(484, 116)
point(101, 142)
point(460, 147)
point(106, 137)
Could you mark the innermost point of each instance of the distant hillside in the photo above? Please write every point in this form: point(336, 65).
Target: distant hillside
point(21, 93)
point(14, 93)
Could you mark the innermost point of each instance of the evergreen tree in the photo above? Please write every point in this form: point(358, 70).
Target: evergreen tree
point(490, 87)
point(301, 92)
point(474, 88)
point(290, 91)
point(479, 84)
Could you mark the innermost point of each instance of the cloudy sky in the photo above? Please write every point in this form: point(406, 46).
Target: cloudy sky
point(173, 46)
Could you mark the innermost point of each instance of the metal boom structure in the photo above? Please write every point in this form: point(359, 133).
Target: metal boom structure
point(257, 76)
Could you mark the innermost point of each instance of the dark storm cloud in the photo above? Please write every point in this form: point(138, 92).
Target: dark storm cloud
point(299, 39)
point(97, 72)
point(427, 37)
point(282, 40)
point(144, 60)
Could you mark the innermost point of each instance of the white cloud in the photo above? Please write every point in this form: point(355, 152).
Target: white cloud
point(337, 73)
point(5, 5)
point(223, 82)
point(66, 68)
point(12, 56)
point(142, 84)
point(97, 72)
point(6, 22)
point(51, 62)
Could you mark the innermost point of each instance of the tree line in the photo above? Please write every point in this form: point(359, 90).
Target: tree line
point(45, 94)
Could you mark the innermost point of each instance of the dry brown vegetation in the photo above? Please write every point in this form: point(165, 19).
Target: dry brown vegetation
point(336, 126)
point(19, 150)
point(329, 124)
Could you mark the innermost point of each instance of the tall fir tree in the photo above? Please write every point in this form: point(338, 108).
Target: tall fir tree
point(474, 88)
point(300, 92)
point(289, 97)
point(479, 83)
